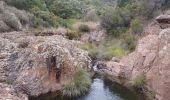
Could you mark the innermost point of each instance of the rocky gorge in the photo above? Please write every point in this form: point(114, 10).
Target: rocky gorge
point(25, 59)
point(36, 63)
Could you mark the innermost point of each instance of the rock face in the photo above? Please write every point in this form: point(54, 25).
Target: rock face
point(151, 57)
point(164, 21)
point(35, 65)
point(158, 75)
point(8, 93)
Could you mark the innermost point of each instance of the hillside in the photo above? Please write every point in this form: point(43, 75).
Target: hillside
point(12, 19)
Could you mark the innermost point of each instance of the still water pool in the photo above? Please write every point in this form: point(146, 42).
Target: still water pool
point(101, 89)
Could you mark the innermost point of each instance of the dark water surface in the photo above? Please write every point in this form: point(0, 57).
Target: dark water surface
point(100, 90)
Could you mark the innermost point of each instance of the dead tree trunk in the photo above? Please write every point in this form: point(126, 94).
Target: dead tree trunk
point(51, 65)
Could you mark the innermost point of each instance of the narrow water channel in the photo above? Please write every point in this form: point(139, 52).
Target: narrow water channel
point(101, 89)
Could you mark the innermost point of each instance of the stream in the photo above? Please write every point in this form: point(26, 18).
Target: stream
point(101, 89)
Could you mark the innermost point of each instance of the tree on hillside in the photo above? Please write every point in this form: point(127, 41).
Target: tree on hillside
point(116, 21)
point(68, 8)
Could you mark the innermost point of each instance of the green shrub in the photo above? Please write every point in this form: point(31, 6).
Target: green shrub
point(122, 3)
point(27, 4)
point(67, 23)
point(113, 52)
point(67, 9)
point(136, 26)
point(12, 21)
point(22, 15)
point(108, 50)
point(116, 21)
point(93, 51)
point(91, 16)
point(140, 84)
point(139, 81)
point(129, 41)
point(86, 46)
point(44, 18)
point(79, 85)
point(144, 8)
point(84, 28)
point(111, 48)
point(4, 27)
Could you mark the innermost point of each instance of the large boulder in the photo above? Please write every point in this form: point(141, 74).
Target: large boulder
point(163, 19)
point(36, 65)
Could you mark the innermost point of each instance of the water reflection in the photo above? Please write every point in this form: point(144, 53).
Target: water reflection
point(100, 90)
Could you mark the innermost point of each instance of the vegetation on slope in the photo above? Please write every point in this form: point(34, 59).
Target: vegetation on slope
point(54, 13)
point(140, 85)
point(123, 19)
point(107, 50)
